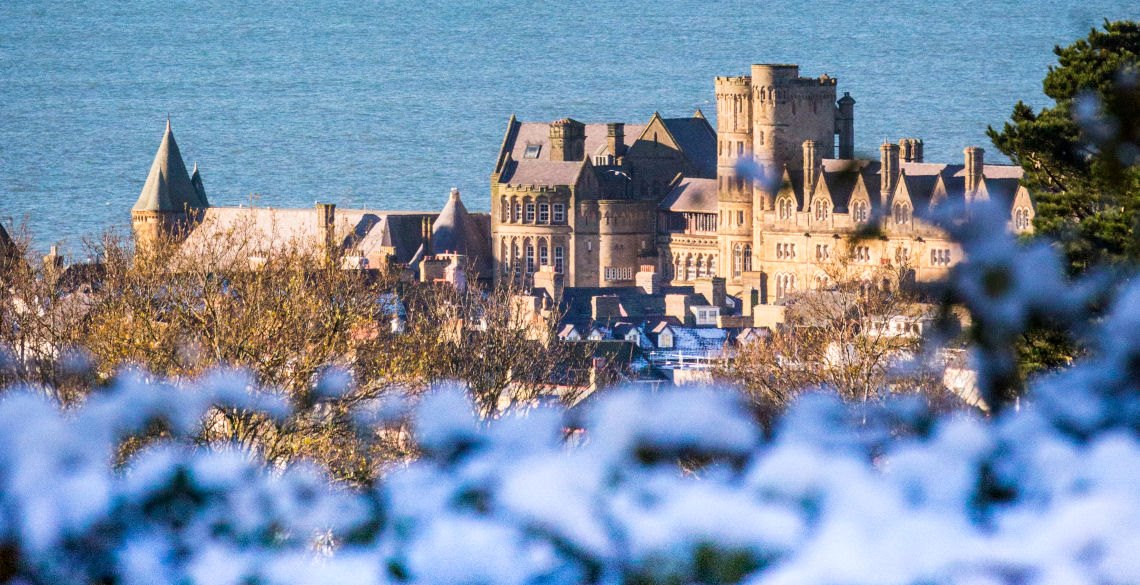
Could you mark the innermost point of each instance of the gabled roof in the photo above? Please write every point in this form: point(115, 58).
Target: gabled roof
point(839, 178)
point(693, 195)
point(697, 140)
point(168, 187)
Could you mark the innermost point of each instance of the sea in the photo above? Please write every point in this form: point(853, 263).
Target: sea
point(387, 105)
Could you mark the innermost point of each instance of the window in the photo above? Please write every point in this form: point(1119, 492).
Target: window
point(558, 259)
point(518, 213)
point(940, 257)
point(740, 148)
point(618, 273)
point(785, 285)
point(532, 151)
point(862, 254)
point(543, 255)
point(1021, 220)
point(529, 258)
point(747, 257)
point(504, 210)
point(859, 212)
point(785, 208)
point(821, 210)
point(785, 251)
point(529, 213)
point(543, 213)
point(902, 213)
point(902, 255)
point(559, 213)
point(739, 218)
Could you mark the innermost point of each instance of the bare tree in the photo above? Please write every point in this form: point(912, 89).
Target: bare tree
point(850, 333)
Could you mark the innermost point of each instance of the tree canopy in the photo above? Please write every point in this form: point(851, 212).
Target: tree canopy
point(1082, 155)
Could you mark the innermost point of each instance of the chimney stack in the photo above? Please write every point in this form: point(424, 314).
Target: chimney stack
point(326, 215)
point(911, 149)
point(813, 163)
point(615, 139)
point(567, 140)
point(975, 164)
point(888, 171)
point(845, 126)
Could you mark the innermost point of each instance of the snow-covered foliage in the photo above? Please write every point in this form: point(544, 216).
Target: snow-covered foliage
point(631, 487)
point(893, 494)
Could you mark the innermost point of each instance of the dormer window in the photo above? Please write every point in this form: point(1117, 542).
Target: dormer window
point(859, 212)
point(532, 151)
point(604, 160)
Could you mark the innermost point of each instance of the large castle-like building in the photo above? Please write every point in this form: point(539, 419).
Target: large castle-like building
point(762, 201)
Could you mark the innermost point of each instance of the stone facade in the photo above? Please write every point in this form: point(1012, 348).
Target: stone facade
point(763, 202)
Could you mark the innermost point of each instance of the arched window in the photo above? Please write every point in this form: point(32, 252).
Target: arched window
point(689, 267)
point(504, 210)
point(786, 208)
point(711, 262)
point(859, 212)
point(737, 261)
point(901, 213)
point(700, 267)
point(504, 258)
point(821, 210)
point(748, 257)
point(529, 257)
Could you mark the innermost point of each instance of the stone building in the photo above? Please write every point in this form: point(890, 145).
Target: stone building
point(583, 198)
point(764, 202)
point(173, 204)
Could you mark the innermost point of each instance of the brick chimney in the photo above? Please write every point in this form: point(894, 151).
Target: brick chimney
point(647, 279)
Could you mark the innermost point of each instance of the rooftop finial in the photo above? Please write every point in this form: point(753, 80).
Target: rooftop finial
point(454, 193)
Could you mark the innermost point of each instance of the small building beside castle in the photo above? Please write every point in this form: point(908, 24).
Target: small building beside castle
point(173, 204)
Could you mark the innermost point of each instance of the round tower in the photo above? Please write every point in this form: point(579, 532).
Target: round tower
point(773, 112)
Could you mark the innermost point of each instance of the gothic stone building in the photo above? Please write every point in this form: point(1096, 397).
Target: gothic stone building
point(761, 202)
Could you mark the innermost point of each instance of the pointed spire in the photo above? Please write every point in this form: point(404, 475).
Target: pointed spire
point(699, 114)
point(168, 187)
point(199, 188)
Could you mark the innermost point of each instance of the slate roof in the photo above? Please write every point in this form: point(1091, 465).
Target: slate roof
point(692, 195)
point(697, 139)
point(168, 187)
point(455, 230)
point(694, 135)
point(1002, 181)
point(519, 170)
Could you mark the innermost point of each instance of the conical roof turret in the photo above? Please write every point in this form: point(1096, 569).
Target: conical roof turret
point(168, 187)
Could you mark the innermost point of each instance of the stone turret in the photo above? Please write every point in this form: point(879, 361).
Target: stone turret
point(170, 202)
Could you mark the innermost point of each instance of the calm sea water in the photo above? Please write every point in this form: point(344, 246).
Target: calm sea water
point(388, 105)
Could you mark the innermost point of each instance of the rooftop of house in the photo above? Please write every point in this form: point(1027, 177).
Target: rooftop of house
point(525, 155)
